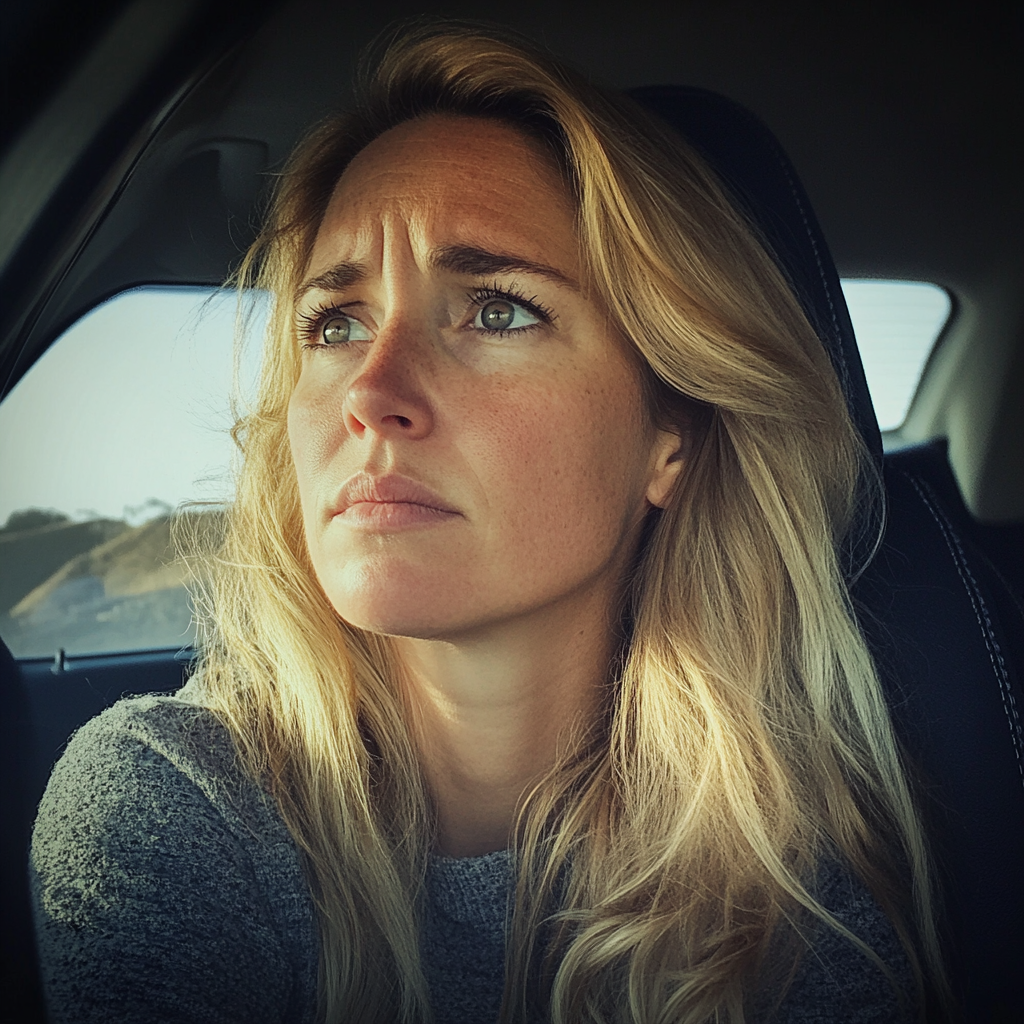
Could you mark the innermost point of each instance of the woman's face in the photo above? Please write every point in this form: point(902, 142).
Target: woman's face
point(468, 433)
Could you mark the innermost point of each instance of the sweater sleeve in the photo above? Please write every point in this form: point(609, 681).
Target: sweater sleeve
point(149, 903)
point(836, 983)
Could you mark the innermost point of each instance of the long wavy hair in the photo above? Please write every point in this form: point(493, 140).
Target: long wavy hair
point(665, 866)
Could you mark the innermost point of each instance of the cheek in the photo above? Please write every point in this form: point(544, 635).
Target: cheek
point(567, 464)
point(314, 429)
point(314, 421)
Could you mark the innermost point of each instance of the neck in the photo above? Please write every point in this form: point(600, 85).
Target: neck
point(492, 712)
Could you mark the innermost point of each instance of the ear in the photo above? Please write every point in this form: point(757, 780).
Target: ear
point(670, 450)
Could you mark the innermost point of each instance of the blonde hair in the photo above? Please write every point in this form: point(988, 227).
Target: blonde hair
point(666, 867)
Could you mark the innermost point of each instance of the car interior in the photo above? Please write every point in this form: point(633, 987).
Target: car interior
point(140, 144)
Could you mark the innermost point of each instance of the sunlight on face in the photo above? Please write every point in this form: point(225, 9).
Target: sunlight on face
point(468, 432)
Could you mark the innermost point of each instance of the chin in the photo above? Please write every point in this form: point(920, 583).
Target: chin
point(390, 619)
point(396, 603)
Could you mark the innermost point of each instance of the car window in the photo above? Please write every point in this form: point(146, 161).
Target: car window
point(127, 417)
point(897, 324)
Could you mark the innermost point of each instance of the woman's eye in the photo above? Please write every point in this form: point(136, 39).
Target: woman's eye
point(502, 315)
point(340, 329)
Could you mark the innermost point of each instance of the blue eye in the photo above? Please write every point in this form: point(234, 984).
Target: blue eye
point(498, 315)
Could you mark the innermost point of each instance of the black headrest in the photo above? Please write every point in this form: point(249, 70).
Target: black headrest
point(762, 181)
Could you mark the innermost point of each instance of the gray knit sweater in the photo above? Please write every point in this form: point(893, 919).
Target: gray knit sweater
point(167, 889)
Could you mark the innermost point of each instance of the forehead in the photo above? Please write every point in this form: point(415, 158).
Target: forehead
point(451, 180)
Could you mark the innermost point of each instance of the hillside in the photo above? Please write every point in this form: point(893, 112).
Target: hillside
point(126, 592)
point(28, 557)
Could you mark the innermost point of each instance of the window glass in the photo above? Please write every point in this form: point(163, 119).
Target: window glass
point(896, 323)
point(125, 417)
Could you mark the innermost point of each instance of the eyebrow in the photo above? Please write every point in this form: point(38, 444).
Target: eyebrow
point(474, 262)
point(456, 259)
point(335, 279)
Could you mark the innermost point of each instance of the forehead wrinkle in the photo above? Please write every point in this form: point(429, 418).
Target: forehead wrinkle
point(413, 193)
point(337, 231)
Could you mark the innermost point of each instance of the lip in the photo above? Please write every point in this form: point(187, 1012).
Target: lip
point(389, 502)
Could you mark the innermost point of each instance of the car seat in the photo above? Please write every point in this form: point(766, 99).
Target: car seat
point(943, 626)
point(19, 981)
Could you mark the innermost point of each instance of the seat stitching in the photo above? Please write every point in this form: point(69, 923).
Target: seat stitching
point(844, 369)
point(980, 612)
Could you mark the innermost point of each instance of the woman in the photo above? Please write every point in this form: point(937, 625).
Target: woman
point(530, 688)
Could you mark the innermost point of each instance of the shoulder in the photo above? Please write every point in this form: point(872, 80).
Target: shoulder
point(155, 859)
point(150, 752)
point(169, 730)
point(836, 981)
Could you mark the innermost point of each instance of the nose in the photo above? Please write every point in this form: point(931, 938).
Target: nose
point(387, 396)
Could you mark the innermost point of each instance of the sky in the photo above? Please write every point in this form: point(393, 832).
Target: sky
point(131, 404)
point(128, 412)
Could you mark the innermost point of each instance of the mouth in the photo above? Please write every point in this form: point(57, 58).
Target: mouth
point(390, 502)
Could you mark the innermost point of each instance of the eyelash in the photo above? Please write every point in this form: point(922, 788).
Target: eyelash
point(311, 324)
point(481, 296)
